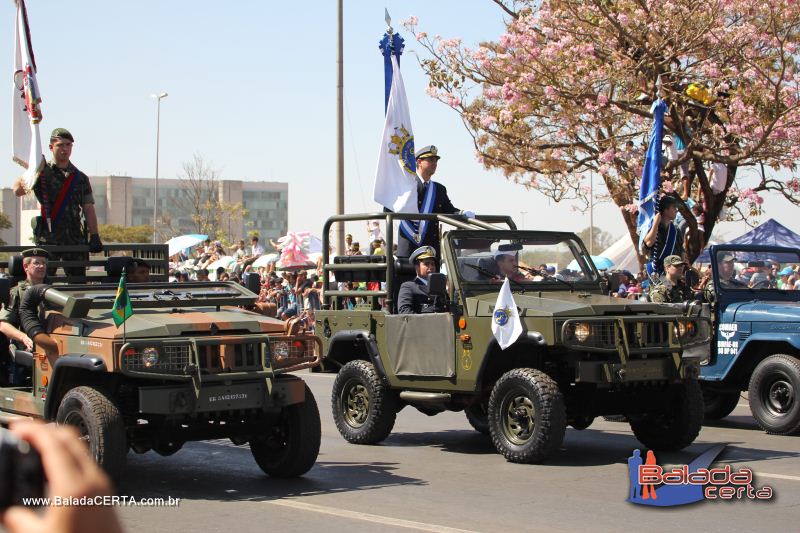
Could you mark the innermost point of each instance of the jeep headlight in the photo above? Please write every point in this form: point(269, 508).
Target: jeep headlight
point(149, 356)
point(685, 330)
point(280, 350)
point(582, 331)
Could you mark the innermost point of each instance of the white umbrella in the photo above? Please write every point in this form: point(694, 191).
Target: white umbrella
point(264, 260)
point(224, 262)
point(176, 244)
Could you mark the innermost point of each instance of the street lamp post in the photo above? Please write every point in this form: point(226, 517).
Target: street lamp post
point(158, 98)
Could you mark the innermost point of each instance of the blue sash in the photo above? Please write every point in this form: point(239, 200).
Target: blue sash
point(656, 263)
point(415, 230)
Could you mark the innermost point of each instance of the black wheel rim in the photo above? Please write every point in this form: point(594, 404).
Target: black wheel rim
point(355, 404)
point(76, 420)
point(518, 417)
point(778, 395)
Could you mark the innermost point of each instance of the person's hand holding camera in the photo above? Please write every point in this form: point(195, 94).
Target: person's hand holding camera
point(71, 473)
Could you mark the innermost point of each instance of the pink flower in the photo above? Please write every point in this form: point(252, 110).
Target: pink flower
point(602, 99)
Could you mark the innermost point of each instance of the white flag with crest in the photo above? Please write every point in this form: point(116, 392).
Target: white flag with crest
point(506, 324)
point(396, 175)
point(26, 113)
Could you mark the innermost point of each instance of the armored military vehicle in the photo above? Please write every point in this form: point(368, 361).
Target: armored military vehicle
point(582, 354)
point(756, 336)
point(191, 363)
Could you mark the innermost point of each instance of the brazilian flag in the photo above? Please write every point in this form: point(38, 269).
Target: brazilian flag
point(122, 303)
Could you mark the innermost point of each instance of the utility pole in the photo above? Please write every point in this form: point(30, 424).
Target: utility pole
point(158, 98)
point(340, 128)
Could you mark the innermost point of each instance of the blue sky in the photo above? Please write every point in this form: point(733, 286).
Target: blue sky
point(252, 88)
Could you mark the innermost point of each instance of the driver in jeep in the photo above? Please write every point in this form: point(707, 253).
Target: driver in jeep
point(414, 296)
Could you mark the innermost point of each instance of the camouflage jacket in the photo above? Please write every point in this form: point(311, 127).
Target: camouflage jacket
point(10, 313)
point(666, 292)
point(70, 228)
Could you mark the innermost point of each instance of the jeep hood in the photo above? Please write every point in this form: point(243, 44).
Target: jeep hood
point(570, 304)
point(765, 311)
point(154, 323)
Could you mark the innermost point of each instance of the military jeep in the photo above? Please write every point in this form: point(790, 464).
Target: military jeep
point(191, 363)
point(582, 353)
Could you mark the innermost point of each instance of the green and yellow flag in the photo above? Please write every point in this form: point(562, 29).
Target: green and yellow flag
point(122, 303)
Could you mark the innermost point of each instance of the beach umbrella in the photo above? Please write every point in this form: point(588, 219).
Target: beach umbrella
point(176, 244)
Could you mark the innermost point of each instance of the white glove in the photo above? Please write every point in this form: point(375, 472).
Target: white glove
point(468, 214)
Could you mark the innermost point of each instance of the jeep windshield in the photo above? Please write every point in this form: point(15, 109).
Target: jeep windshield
point(757, 269)
point(531, 259)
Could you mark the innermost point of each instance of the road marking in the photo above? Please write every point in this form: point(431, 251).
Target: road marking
point(366, 517)
point(777, 476)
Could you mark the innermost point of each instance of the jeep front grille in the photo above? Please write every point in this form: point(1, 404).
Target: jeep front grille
point(636, 334)
point(173, 358)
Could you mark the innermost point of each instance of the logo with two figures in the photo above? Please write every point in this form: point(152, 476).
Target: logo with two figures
point(657, 486)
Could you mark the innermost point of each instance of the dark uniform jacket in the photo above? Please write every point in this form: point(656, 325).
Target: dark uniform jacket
point(414, 298)
point(441, 205)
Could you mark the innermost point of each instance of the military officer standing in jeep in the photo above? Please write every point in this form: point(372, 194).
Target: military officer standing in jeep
point(671, 288)
point(67, 204)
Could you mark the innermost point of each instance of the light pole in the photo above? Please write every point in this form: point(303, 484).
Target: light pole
point(158, 98)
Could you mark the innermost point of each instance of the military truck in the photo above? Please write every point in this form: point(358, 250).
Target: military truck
point(756, 337)
point(191, 363)
point(582, 354)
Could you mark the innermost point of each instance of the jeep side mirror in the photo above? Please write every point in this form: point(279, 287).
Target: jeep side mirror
point(437, 284)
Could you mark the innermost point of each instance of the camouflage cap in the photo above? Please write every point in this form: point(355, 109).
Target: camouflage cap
point(61, 133)
point(422, 253)
point(36, 252)
point(724, 257)
point(427, 151)
point(671, 260)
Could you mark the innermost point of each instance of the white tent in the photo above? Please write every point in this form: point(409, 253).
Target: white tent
point(623, 255)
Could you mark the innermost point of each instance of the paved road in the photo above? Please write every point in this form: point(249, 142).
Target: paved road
point(435, 473)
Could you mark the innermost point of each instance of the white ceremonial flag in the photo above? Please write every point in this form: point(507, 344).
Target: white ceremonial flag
point(506, 324)
point(396, 175)
point(26, 113)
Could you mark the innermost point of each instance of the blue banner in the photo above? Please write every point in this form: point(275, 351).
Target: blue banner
point(651, 174)
point(390, 45)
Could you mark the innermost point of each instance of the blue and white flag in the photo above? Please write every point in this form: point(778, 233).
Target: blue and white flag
point(396, 175)
point(506, 324)
point(651, 174)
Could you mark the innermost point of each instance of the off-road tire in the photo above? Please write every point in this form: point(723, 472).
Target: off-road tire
point(290, 447)
point(719, 404)
point(774, 394)
point(676, 427)
point(527, 415)
point(98, 420)
point(364, 408)
point(478, 417)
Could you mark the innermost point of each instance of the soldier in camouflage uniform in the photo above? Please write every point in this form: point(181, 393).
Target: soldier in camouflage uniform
point(66, 200)
point(671, 288)
point(34, 263)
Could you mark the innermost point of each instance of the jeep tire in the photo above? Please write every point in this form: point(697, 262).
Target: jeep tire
point(718, 404)
point(364, 408)
point(773, 394)
point(678, 425)
point(290, 447)
point(97, 418)
point(527, 415)
point(478, 416)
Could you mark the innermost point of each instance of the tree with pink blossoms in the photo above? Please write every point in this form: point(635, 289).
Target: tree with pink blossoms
point(566, 92)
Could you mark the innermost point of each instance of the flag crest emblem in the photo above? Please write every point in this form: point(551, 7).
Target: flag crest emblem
point(401, 144)
point(501, 316)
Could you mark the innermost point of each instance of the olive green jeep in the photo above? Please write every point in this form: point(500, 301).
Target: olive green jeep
point(581, 354)
point(191, 363)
